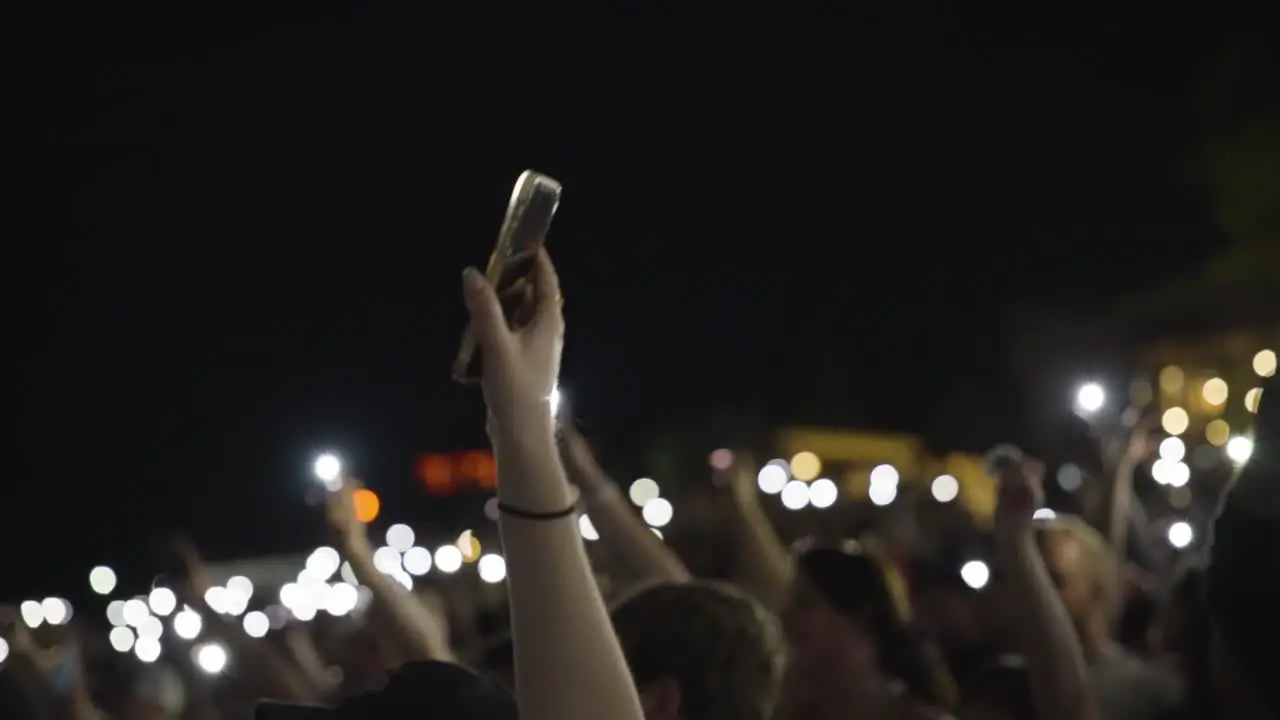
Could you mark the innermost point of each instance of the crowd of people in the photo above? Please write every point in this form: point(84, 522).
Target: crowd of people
point(846, 624)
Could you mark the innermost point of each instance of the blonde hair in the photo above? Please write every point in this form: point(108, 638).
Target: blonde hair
point(1099, 556)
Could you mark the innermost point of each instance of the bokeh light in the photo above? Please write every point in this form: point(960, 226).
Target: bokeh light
point(1181, 534)
point(772, 478)
point(1173, 449)
point(1217, 432)
point(823, 493)
point(187, 624)
point(448, 559)
point(1252, 399)
point(657, 512)
point(1172, 379)
point(256, 624)
point(211, 658)
point(1264, 363)
point(162, 601)
point(492, 568)
point(795, 496)
point(102, 580)
point(417, 561)
point(32, 613)
point(400, 537)
point(328, 470)
point(1215, 391)
point(805, 466)
point(642, 491)
point(469, 545)
point(147, 649)
point(945, 488)
point(121, 639)
point(721, 459)
point(1090, 398)
point(367, 505)
point(56, 610)
point(975, 574)
point(1239, 449)
point(1175, 421)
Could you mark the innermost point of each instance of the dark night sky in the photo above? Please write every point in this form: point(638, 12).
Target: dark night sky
point(238, 240)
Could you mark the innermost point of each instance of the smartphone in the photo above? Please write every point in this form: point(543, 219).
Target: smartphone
point(524, 229)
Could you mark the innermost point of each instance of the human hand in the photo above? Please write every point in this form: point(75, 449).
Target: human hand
point(739, 478)
point(521, 363)
point(1142, 442)
point(195, 575)
point(1020, 492)
point(340, 516)
point(14, 631)
point(574, 447)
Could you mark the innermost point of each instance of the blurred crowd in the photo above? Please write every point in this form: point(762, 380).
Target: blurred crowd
point(855, 608)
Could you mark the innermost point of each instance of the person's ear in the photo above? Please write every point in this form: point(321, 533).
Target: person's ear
point(661, 699)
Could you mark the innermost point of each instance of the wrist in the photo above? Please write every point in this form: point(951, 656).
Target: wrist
point(355, 545)
point(1014, 539)
point(522, 433)
point(600, 493)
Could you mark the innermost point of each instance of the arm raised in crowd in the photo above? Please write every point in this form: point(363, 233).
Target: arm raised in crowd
point(1059, 673)
point(569, 665)
point(277, 674)
point(1242, 559)
point(55, 674)
point(639, 553)
point(422, 633)
point(764, 567)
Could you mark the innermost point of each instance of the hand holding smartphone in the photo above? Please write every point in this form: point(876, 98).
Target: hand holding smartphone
point(524, 230)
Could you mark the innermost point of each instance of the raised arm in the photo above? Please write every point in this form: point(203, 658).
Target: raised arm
point(274, 671)
point(569, 665)
point(1059, 674)
point(1243, 558)
point(638, 552)
point(422, 633)
point(764, 565)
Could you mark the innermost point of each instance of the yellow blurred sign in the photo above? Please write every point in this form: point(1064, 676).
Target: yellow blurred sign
point(859, 452)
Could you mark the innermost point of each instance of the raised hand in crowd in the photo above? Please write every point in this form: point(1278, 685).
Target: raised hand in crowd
point(276, 675)
point(51, 677)
point(568, 662)
point(634, 550)
point(423, 633)
point(1059, 673)
point(763, 563)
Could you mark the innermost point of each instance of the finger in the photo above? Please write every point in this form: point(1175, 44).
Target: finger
point(487, 320)
point(546, 287)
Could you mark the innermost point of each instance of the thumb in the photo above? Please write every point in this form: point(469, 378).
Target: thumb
point(487, 319)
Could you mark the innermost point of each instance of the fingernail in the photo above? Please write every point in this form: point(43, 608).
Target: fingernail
point(472, 279)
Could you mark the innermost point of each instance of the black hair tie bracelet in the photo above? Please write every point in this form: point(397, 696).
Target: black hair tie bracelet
point(523, 514)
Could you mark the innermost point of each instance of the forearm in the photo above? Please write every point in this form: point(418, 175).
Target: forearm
point(307, 657)
point(764, 566)
point(277, 674)
point(1117, 508)
point(1059, 673)
point(569, 665)
point(77, 705)
point(412, 621)
point(641, 555)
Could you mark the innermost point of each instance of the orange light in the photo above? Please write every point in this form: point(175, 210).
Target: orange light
point(480, 468)
point(366, 505)
point(436, 473)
